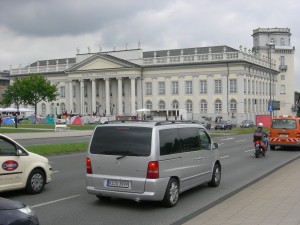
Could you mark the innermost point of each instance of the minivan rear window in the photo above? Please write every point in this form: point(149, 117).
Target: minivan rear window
point(284, 124)
point(125, 141)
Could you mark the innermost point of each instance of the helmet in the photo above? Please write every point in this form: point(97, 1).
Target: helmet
point(260, 125)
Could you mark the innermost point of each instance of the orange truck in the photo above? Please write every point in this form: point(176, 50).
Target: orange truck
point(285, 131)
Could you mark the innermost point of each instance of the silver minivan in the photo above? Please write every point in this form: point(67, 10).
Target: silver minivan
point(150, 160)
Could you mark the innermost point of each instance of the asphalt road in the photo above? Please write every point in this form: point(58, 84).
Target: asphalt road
point(65, 200)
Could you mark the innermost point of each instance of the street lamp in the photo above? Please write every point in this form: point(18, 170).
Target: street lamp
point(270, 45)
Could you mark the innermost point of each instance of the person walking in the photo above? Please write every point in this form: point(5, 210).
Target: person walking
point(16, 120)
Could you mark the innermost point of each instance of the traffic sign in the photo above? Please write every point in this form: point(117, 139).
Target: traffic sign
point(270, 108)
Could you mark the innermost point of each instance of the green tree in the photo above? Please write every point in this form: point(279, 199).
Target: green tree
point(37, 89)
point(13, 94)
point(30, 90)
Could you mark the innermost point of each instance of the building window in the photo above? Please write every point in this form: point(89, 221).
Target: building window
point(282, 77)
point(74, 91)
point(123, 107)
point(282, 89)
point(62, 92)
point(161, 88)
point(282, 42)
point(256, 87)
point(218, 86)
point(233, 105)
point(245, 105)
point(175, 87)
point(203, 106)
point(203, 87)
point(149, 105)
point(74, 108)
point(148, 88)
point(52, 109)
point(188, 87)
point(62, 108)
point(189, 106)
point(249, 83)
point(218, 106)
point(245, 86)
point(161, 105)
point(232, 86)
point(43, 109)
point(175, 104)
point(253, 87)
point(282, 60)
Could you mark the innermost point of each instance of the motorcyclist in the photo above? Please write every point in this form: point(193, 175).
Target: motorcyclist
point(264, 133)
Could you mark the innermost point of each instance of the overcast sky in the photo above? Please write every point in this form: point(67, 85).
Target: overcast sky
point(32, 30)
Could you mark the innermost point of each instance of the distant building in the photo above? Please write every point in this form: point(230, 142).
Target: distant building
point(4, 83)
point(205, 81)
point(276, 42)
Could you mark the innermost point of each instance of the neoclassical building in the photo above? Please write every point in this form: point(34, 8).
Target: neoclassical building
point(202, 81)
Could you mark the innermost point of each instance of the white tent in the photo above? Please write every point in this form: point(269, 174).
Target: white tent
point(10, 109)
point(25, 110)
point(143, 110)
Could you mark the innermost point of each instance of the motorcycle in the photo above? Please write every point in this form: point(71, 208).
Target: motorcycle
point(259, 147)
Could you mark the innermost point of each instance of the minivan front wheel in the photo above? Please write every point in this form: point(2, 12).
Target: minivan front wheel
point(216, 176)
point(172, 193)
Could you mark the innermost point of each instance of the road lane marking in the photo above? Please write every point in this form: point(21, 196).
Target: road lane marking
point(54, 201)
point(249, 150)
point(226, 139)
point(221, 144)
point(240, 140)
point(225, 156)
point(55, 172)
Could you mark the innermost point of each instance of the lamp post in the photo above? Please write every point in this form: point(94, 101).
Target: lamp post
point(270, 45)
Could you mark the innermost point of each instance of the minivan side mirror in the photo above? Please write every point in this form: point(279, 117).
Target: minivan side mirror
point(215, 145)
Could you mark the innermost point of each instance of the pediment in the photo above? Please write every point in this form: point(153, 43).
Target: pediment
point(101, 62)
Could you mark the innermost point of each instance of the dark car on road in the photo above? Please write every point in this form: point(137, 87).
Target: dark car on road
point(223, 125)
point(247, 123)
point(15, 212)
point(204, 123)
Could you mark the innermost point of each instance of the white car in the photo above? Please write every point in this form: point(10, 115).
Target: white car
point(21, 169)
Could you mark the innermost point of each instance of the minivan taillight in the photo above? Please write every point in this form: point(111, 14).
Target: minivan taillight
point(153, 170)
point(89, 166)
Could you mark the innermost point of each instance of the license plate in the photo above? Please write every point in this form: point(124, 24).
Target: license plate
point(283, 135)
point(117, 183)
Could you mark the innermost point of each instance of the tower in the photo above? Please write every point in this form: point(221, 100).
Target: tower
point(276, 43)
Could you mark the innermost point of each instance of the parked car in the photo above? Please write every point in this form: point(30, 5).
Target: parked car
point(223, 125)
point(233, 123)
point(150, 160)
point(247, 123)
point(204, 123)
point(21, 169)
point(15, 212)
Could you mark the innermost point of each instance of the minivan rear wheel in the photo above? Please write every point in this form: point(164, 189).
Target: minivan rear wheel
point(172, 193)
point(216, 177)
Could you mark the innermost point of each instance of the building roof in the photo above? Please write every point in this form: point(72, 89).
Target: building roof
point(189, 51)
point(52, 62)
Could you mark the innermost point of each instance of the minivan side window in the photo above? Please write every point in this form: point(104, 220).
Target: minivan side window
point(205, 141)
point(7, 148)
point(169, 142)
point(189, 140)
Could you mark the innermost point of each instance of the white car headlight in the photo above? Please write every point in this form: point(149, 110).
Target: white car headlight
point(27, 210)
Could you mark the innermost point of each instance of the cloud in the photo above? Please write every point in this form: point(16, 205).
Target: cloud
point(32, 30)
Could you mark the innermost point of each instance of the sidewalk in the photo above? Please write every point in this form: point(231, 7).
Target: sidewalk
point(274, 200)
